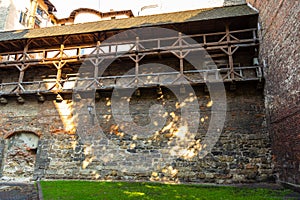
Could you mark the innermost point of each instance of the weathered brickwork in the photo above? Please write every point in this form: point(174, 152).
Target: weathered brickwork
point(280, 33)
point(242, 153)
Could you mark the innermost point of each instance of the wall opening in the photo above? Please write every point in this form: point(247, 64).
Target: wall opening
point(20, 155)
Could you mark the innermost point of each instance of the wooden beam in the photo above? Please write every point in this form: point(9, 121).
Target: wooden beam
point(65, 39)
point(3, 45)
point(96, 37)
point(35, 43)
point(45, 41)
point(230, 58)
point(96, 66)
point(91, 37)
point(77, 37)
point(15, 45)
point(23, 68)
point(56, 40)
point(181, 54)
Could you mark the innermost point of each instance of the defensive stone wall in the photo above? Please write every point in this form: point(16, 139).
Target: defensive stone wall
point(75, 149)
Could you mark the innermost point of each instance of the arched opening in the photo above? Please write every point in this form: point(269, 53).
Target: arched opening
point(20, 155)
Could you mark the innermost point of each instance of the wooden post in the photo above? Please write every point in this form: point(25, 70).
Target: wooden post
point(96, 67)
point(254, 35)
point(23, 68)
point(230, 59)
point(137, 61)
point(61, 51)
point(21, 75)
point(58, 75)
point(180, 54)
point(136, 69)
point(59, 67)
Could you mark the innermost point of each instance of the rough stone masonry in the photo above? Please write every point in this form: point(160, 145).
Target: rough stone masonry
point(242, 153)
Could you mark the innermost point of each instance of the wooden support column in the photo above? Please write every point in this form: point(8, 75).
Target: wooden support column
point(254, 35)
point(23, 59)
point(59, 70)
point(180, 54)
point(204, 41)
point(96, 66)
point(21, 75)
point(61, 51)
point(137, 61)
point(136, 69)
point(230, 59)
point(59, 67)
point(23, 68)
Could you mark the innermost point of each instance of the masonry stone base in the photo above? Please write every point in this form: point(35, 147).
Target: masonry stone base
point(69, 148)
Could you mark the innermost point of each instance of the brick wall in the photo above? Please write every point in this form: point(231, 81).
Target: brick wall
point(280, 51)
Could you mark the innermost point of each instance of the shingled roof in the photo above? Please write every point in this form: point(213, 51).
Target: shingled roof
point(134, 22)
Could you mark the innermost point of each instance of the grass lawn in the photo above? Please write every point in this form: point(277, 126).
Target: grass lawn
point(82, 190)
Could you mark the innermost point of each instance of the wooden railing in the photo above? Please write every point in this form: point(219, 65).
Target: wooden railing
point(227, 42)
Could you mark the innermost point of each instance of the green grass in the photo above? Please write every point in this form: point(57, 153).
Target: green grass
point(85, 190)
